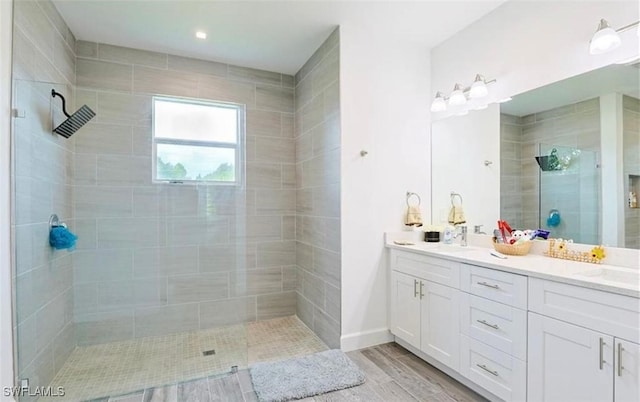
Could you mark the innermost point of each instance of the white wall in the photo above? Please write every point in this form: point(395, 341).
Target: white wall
point(384, 90)
point(528, 44)
point(460, 145)
point(612, 198)
point(6, 342)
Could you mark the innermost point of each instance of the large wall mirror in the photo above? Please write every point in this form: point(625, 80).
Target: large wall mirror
point(568, 159)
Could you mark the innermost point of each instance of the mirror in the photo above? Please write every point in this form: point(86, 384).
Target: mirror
point(466, 161)
point(569, 159)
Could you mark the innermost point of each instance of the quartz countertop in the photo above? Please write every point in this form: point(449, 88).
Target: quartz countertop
point(533, 265)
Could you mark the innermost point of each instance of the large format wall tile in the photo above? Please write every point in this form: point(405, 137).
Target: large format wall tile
point(43, 176)
point(162, 251)
point(317, 154)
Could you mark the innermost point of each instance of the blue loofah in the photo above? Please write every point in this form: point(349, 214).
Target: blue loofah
point(61, 238)
point(554, 218)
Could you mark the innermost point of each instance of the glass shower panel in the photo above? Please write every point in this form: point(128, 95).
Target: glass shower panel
point(569, 197)
point(157, 290)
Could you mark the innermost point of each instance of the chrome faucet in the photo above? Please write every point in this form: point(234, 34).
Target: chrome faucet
point(477, 229)
point(462, 235)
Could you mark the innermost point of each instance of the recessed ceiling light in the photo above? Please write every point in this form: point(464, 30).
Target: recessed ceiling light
point(201, 35)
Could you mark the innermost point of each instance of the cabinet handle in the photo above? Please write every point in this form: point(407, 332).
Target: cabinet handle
point(482, 366)
point(620, 349)
point(602, 362)
point(488, 285)
point(415, 288)
point(421, 290)
point(494, 326)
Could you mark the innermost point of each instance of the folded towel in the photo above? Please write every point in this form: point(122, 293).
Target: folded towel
point(414, 217)
point(456, 215)
point(61, 238)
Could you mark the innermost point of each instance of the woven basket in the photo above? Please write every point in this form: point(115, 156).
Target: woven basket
point(513, 249)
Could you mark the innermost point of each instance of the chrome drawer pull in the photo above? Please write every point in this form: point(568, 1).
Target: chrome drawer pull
point(482, 366)
point(488, 285)
point(602, 361)
point(415, 288)
point(421, 290)
point(620, 349)
point(494, 326)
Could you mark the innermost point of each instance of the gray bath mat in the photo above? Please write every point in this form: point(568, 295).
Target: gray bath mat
point(304, 376)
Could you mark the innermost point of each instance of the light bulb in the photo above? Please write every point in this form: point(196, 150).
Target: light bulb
point(605, 39)
point(457, 97)
point(478, 88)
point(439, 104)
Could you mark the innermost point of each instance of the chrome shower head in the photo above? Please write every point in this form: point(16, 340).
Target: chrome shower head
point(74, 121)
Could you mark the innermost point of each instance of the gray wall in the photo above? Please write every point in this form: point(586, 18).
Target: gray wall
point(42, 175)
point(631, 140)
point(318, 136)
point(576, 126)
point(153, 258)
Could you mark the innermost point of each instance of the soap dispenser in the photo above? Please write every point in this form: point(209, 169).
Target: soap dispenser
point(447, 237)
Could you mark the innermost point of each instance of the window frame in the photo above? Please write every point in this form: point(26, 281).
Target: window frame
point(238, 146)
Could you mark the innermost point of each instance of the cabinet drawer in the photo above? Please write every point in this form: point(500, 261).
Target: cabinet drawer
point(500, 326)
point(497, 372)
point(605, 312)
point(500, 286)
point(436, 270)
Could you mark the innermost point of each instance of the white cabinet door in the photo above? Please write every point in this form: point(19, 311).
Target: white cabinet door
point(405, 308)
point(441, 323)
point(568, 363)
point(627, 367)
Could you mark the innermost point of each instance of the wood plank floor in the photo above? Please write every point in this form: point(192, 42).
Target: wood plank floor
point(393, 374)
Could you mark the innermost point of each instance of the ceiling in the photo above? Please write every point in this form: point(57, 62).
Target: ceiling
point(624, 79)
point(271, 35)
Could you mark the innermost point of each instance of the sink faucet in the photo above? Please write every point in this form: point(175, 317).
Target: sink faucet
point(462, 235)
point(477, 229)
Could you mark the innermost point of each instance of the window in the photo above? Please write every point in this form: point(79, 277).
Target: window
point(197, 141)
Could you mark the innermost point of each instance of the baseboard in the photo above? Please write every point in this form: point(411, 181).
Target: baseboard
point(448, 371)
point(365, 339)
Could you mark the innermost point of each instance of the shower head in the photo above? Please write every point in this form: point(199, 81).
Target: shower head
point(74, 121)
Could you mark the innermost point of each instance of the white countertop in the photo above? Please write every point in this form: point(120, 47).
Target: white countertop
point(533, 265)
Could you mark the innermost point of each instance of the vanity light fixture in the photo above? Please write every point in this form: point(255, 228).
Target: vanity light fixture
point(478, 88)
point(201, 35)
point(457, 97)
point(606, 39)
point(439, 104)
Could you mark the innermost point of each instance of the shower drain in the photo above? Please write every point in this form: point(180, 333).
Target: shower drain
point(209, 352)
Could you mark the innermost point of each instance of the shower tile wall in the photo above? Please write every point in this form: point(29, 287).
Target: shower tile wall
point(318, 191)
point(42, 175)
point(511, 191)
point(576, 125)
point(631, 139)
point(155, 259)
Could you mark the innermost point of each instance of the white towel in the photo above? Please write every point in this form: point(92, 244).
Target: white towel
point(456, 215)
point(414, 217)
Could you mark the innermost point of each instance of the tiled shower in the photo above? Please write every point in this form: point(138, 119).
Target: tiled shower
point(160, 259)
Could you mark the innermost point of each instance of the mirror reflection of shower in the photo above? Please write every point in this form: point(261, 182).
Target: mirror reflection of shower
point(569, 196)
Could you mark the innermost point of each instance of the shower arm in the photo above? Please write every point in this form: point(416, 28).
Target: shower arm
point(64, 102)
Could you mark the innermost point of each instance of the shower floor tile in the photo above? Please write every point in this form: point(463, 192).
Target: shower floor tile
point(120, 367)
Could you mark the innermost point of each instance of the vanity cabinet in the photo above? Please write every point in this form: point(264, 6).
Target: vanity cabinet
point(425, 313)
point(518, 337)
point(568, 363)
point(405, 308)
point(627, 370)
point(577, 344)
